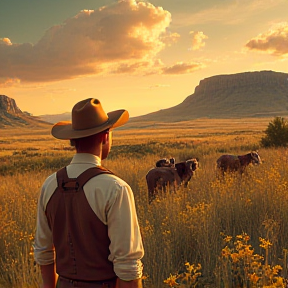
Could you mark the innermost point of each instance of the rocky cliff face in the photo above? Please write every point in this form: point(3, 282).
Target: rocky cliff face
point(12, 116)
point(242, 81)
point(8, 105)
point(249, 94)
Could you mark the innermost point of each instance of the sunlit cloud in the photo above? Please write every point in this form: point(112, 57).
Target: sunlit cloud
point(170, 38)
point(128, 33)
point(198, 40)
point(9, 82)
point(274, 41)
point(182, 68)
point(6, 41)
point(131, 68)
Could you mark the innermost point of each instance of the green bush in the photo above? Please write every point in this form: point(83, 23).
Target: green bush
point(276, 134)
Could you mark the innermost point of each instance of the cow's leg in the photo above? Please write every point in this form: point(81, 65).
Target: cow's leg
point(151, 195)
point(152, 186)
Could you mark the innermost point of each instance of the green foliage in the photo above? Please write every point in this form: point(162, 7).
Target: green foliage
point(276, 134)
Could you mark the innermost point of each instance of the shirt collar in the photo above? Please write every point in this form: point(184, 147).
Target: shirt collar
point(86, 158)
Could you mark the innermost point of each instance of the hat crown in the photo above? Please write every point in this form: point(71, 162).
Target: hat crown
point(88, 114)
point(88, 118)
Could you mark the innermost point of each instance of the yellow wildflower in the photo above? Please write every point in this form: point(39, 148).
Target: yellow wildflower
point(171, 280)
point(254, 278)
point(265, 243)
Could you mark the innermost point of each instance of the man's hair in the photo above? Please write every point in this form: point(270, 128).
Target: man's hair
point(87, 142)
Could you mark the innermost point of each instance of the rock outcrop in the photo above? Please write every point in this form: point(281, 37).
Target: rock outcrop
point(11, 115)
point(242, 81)
point(8, 105)
point(249, 94)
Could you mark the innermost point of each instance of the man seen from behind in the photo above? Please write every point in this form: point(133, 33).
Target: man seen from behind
point(87, 231)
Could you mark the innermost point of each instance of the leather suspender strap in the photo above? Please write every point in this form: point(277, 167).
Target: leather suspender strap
point(67, 183)
point(83, 178)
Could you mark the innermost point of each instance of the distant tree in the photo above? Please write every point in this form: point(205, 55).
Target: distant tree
point(276, 134)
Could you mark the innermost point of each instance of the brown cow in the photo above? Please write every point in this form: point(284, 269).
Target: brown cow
point(235, 163)
point(165, 162)
point(160, 178)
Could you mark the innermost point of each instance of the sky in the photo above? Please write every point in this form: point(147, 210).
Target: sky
point(142, 56)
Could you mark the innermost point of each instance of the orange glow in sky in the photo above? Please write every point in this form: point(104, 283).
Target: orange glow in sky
point(138, 55)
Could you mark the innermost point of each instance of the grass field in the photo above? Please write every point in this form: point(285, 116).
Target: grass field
point(216, 233)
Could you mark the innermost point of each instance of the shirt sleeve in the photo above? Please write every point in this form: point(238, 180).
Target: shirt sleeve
point(123, 229)
point(44, 253)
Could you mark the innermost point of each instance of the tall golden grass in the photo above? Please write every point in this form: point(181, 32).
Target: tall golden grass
point(208, 235)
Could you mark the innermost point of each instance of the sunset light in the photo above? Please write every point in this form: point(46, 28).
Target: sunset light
point(122, 52)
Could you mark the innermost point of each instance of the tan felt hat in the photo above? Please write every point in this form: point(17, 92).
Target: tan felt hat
point(88, 118)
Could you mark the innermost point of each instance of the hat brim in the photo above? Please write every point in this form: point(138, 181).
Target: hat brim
point(64, 130)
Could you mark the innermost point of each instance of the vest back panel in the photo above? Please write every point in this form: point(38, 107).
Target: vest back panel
point(80, 238)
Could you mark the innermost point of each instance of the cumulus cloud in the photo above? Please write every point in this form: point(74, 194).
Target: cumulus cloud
point(6, 41)
point(170, 38)
point(182, 68)
point(127, 33)
point(131, 67)
point(198, 40)
point(274, 41)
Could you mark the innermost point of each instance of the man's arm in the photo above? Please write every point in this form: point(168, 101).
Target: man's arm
point(129, 284)
point(49, 276)
point(126, 247)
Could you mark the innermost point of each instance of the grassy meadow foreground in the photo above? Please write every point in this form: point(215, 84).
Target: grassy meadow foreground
point(226, 233)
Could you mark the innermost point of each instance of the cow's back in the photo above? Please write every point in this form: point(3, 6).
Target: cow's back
point(228, 162)
point(160, 178)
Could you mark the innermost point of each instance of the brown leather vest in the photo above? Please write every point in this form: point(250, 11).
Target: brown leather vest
point(80, 238)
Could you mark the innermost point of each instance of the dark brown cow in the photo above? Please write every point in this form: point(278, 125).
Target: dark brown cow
point(234, 163)
point(165, 162)
point(184, 172)
point(160, 178)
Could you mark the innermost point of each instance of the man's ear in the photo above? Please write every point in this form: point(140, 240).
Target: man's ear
point(105, 137)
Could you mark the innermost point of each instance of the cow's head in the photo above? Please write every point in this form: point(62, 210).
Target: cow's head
point(172, 162)
point(193, 164)
point(190, 166)
point(256, 160)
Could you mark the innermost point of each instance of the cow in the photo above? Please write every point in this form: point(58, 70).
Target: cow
point(159, 178)
point(233, 163)
point(165, 162)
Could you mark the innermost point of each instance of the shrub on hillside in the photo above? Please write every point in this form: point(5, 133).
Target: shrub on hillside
point(276, 134)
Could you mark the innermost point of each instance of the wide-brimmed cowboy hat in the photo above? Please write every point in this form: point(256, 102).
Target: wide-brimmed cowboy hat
point(88, 118)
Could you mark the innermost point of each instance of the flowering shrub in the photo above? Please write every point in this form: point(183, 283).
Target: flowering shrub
point(239, 266)
point(188, 278)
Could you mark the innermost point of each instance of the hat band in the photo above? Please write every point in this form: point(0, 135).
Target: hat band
point(90, 126)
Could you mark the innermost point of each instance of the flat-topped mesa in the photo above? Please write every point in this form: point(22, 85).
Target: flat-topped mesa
point(242, 81)
point(241, 95)
point(8, 105)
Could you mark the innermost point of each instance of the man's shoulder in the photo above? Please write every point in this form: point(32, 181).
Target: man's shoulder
point(51, 180)
point(112, 178)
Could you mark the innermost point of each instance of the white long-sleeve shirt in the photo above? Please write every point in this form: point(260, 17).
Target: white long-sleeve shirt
point(112, 200)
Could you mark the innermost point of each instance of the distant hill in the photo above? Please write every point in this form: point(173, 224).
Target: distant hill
point(242, 95)
point(249, 94)
point(54, 118)
point(12, 117)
